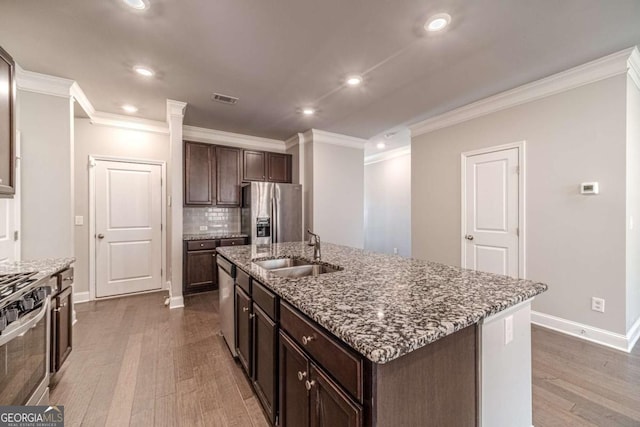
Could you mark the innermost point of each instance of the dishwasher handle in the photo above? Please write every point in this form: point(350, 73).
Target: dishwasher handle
point(225, 265)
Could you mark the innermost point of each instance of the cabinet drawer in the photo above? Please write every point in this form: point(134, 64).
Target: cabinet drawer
point(344, 365)
point(265, 299)
point(197, 245)
point(232, 242)
point(65, 279)
point(243, 280)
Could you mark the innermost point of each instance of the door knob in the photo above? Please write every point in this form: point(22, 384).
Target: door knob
point(308, 384)
point(100, 236)
point(468, 237)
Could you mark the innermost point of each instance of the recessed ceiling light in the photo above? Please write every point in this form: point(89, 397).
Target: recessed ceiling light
point(143, 71)
point(137, 4)
point(354, 80)
point(437, 22)
point(130, 109)
point(381, 145)
point(308, 111)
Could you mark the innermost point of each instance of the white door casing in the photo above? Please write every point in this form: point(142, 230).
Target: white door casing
point(10, 217)
point(492, 210)
point(127, 227)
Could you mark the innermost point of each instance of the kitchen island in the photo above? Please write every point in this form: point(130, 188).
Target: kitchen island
point(413, 331)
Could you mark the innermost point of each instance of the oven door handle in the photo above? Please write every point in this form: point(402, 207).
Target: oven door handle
point(22, 326)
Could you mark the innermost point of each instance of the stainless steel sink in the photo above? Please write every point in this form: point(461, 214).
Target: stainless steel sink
point(272, 264)
point(294, 267)
point(304, 270)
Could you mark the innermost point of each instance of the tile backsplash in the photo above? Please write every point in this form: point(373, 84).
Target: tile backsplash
point(215, 219)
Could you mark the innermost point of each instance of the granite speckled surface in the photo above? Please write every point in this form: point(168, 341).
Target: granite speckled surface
point(45, 267)
point(385, 306)
point(212, 236)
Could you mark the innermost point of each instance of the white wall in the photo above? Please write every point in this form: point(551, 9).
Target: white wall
point(46, 131)
point(387, 205)
point(338, 193)
point(105, 141)
point(633, 203)
point(574, 243)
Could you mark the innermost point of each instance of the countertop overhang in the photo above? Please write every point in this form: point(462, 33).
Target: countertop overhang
point(212, 236)
point(385, 306)
point(45, 267)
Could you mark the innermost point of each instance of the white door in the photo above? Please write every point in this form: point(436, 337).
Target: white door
point(128, 215)
point(491, 219)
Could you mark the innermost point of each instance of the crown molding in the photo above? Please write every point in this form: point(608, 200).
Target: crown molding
point(324, 137)
point(387, 155)
point(600, 69)
point(78, 94)
point(213, 136)
point(293, 141)
point(175, 108)
point(634, 67)
point(43, 83)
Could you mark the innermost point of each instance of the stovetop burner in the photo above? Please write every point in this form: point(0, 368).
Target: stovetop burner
point(14, 282)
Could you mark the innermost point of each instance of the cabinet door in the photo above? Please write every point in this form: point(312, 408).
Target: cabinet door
point(198, 174)
point(294, 397)
point(243, 329)
point(228, 176)
point(265, 373)
point(200, 271)
point(7, 123)
point(253, 166)
point(279, 167)
point(64, 327)
point(330, 406)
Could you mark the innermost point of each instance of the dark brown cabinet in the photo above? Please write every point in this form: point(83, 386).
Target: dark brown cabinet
point(278, 167)
point(7, 124)
point(61, 318)
point(199, 176)
point(227, 161)
point(265, 346)
point(266, 166)
point(243, 329)
point(253, 166)
point(200, 272)
point(308, 397)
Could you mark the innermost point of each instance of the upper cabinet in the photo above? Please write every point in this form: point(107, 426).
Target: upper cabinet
point(266, 166)
point(7, 124)
point(199, 174)
point(228, 176)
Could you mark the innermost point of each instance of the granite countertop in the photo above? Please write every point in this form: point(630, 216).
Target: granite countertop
point(45, 267)
point(212, 235)
point(385, 306)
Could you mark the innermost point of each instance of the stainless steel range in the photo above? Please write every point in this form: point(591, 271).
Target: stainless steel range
point(24, 340)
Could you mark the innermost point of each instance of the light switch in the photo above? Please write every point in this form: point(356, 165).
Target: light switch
point(508, 329)
point(79, 220)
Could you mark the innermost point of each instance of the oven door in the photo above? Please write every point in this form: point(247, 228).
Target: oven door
point(24, 358)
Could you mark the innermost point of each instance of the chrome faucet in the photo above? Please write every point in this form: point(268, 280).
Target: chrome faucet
point(314, 241)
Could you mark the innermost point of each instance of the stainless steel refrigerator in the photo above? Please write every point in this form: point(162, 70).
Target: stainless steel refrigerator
point(272, 212)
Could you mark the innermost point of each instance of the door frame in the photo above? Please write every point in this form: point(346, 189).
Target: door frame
point(521, 146)
point(92, 217)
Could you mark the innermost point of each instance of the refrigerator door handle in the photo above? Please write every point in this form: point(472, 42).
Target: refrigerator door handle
point(274, 219)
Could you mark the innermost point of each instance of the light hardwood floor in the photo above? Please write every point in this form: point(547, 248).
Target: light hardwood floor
point(135, 362)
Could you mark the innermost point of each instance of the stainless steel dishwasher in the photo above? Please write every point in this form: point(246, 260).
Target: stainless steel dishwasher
point(226, 292)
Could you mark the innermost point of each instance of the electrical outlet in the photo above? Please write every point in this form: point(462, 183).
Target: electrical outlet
point(79, 220)
point(203, 228)
point(395, 251)
point(508, 329)
point(597, 304)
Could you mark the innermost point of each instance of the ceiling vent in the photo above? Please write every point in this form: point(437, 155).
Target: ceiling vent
point(225, 99)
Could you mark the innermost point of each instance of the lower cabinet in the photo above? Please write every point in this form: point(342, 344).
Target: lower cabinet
point(265, 357)
point(308, 397)
point(243, 329)
point(61, 342)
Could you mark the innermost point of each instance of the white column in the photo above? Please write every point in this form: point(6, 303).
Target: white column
point(175, 117)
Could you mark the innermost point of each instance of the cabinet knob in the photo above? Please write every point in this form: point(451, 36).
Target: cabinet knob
point(301, 375)
point(307, 340)
point(245, 309)
point(308, 384)
point(251, 316)
point(201, 244)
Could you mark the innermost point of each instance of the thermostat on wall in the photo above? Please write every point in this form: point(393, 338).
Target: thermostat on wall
point(589, 188)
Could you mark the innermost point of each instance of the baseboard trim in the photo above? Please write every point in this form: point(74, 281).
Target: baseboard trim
point(586, 332)
point(176, 302)
point(633, 334)
point(80, 297)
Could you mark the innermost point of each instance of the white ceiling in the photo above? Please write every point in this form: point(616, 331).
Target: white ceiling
point(277, 56)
